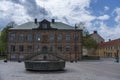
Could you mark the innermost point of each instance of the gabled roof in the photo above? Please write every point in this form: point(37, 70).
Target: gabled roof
point(32, 25)
point(28, 25)
point(97, 35)
point(110, 43)
point(60, 25)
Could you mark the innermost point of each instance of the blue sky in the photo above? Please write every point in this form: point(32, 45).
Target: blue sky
point(100, 7)
point(100, 15)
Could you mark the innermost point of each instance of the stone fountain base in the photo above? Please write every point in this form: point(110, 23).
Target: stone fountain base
point(44, 62)
point(45, 65)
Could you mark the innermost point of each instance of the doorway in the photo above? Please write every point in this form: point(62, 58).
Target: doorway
point(44, 49)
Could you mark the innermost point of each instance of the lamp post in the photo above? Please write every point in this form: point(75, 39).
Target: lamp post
point(75, 44)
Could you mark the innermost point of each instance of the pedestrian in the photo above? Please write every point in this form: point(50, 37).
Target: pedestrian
point(117, 56)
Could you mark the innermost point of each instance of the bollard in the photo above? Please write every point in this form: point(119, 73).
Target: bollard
point(71, 61)
point(19, 61)
point(5, 60)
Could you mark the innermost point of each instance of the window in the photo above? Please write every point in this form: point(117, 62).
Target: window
point(38, 37)
point(38, 47)
point(59, 48)
point(110, 54)
point(12, 37)
point(67, 48)
point(51, 48)
point(29, 37)
point(51, 36)
point(21, 37)
point(29, 48)
point(76, 37)
point(67, 36)
point(21, 48)
point(12, 48)
point(44, 26)
point(59, 37)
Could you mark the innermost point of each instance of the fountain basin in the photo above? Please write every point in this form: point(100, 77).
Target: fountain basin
point(44, 65)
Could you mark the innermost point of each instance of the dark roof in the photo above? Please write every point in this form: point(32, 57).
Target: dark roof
point(31, 25)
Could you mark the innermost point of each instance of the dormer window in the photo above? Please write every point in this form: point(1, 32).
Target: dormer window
point(44, 26)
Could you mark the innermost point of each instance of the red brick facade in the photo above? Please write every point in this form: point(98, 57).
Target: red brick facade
point(67, 49)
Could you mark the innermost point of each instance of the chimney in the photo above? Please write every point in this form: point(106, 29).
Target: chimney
point(95, 32)
point(35, 21)
point(53, 20)
point(76, 26)
point(109, 39)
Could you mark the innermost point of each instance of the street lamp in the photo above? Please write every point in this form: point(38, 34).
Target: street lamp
point(75, 44)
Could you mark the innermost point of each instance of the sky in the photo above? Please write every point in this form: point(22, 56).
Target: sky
point(100, 15)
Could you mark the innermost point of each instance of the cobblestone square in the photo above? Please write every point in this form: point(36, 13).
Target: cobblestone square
point(104, 69)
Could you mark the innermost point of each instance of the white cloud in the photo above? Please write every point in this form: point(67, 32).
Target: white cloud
point(69, 11)
point(106, 31)
point(117, 12)
point(13, 12)
point(106, 8)
point(104, 17)
point(74, 11)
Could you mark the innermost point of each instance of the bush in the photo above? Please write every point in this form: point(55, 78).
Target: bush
point(90, 57)
point(2, 58)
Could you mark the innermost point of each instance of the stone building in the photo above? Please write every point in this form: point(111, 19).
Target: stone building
point(52, 37)
point(97, 37)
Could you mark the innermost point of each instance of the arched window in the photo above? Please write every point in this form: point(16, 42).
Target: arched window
point(21, 37)
point(51, 36)
point(12, 37)
point(76, 37)
point(38, 37)
point(59, 37)
point(29, 37)
point(67, 36)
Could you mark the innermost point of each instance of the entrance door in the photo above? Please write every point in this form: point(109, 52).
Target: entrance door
point(44, 49)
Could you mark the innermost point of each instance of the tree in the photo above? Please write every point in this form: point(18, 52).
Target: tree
point(3, 39)
point(88, 42)
point(3, 36)
point(81, 25)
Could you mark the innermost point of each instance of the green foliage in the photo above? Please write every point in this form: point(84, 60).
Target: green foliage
point(3, 39)
point(90, 57)
point(89, 42)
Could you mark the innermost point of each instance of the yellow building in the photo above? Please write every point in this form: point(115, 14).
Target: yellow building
point(109, 49)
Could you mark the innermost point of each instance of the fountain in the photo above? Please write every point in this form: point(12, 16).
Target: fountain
point(44, 61)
